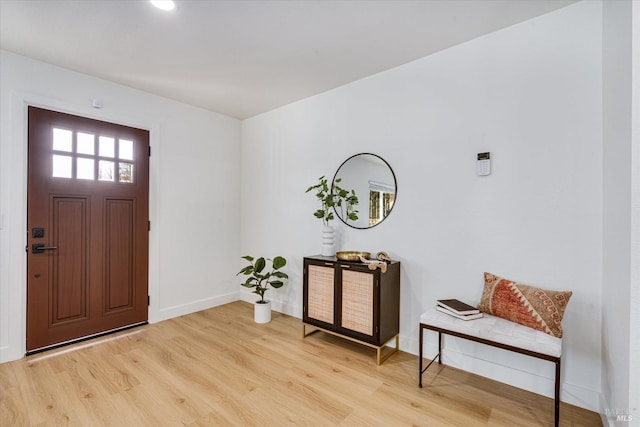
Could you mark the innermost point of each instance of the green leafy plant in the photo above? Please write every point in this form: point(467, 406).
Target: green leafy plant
point(345, 200)
point(336, 197)
point(259, 280)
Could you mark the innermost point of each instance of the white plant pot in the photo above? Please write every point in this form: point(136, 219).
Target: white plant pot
point(262, 312)
point(328, 248)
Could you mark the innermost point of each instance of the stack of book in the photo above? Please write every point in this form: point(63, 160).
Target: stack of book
point(459, 309)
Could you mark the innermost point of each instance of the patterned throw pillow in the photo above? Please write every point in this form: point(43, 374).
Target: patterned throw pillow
point(537, 308)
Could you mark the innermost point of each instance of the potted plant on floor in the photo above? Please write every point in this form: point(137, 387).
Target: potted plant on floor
point(260, 279)
point(330, 199)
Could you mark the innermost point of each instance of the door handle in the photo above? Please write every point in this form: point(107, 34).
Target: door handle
point(38, 248)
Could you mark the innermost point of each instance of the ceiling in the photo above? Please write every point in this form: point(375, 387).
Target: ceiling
point(243, 57)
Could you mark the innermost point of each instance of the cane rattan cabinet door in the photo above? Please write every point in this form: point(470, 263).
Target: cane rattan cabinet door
point(320, 293)
point(357, 301)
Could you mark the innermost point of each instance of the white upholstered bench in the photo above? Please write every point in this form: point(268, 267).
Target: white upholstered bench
point(496, 332)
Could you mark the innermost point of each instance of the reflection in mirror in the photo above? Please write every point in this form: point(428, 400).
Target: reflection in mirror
point(375, 185)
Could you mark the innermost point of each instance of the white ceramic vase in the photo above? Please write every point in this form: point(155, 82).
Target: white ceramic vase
point(328, 241)
point(262, 312)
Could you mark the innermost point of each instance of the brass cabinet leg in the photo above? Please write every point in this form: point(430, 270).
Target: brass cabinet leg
point(313, 330)
point(380, 358)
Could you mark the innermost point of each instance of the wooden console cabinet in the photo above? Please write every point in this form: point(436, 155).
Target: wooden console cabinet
point(350, 300)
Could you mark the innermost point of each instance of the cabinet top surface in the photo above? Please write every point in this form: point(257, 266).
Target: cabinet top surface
point(336, 260)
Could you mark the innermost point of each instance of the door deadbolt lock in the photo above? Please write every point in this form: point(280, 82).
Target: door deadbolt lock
point(39, 248)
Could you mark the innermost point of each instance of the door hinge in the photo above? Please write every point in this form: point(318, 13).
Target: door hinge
point(149, 151)
point(148, 300)
point(148, 225)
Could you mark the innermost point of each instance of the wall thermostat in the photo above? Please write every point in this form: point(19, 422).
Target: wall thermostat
point(483, 166)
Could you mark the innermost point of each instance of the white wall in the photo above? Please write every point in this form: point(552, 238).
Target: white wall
point(529, 94)
point(621, 213)
point(634, 332)
point(194, 194)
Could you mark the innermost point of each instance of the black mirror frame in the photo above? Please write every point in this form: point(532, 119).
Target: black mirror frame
point(395, 184)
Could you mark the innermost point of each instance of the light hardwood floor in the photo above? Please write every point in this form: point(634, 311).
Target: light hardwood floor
point(218, 368)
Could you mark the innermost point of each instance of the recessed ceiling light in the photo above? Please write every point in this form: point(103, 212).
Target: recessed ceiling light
point(164, 4)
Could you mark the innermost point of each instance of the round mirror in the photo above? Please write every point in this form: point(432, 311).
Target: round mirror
point(370, 178)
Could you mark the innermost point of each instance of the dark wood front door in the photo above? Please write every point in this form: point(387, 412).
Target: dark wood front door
point(87, 216)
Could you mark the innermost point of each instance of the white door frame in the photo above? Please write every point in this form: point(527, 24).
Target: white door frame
point(13, 212)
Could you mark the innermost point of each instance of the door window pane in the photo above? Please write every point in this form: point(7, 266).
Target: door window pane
point(62, 140)
point(125, 172)
point(106, 170)
point(84, 168)
point(85, 143)
point(84, 159)
point(61, 166)
point(125, 149)
point(107, 146)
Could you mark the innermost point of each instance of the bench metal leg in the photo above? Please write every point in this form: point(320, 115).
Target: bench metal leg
point(557, 397)
point(556, 360)
point(438, 356)
point(420, 354)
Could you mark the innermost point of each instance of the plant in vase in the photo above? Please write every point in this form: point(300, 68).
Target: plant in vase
point(330, 199)
point(346, 201)
point(260, 280)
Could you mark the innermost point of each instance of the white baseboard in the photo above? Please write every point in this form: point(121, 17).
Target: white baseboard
point(604, 404)
point(525, 372)
point(8, 354)
point(535, 375)
point(293, 310)
point(539, 380)
point(611, 416)
point(456, 355)
point(251, 298)
point(192, 307)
